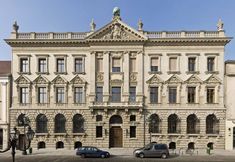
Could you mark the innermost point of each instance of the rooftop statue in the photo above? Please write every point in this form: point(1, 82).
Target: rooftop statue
point(220, 25)
point(116, 12)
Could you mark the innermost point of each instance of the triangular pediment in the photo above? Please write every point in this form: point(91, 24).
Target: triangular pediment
point(59, 80)
point(22, 80)
point(77, 80)
point(193, 79)
point(213, 79)
point(155, 79)
point(41, 80)
point(116, 31)
point(174, 79)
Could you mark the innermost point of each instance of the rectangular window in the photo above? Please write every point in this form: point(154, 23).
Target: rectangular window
point(79, 65)
point(154, 64)
point(24, 65)
point(99, 94)
point(60, 96)
point(154, 95)
point(132, 131)
point(191, 64)
point(133, 65)
point(42, 65)
point(132, 97)
point(24, 95)
point(210, 95)
point(60, 65)
point(191, 94)
point(210, 64)
point(172, 94)
point(132, 118)
point(42, 95)
point(173, 64)
point(99, 131)
point(116, 65)
point(99, 65)
point(78, 95)
point(116, 94)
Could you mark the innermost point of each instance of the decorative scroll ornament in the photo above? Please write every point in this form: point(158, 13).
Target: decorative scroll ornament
point(133, 77)
point(100, 77)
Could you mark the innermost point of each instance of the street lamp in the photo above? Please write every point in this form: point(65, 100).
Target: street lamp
point(14, 136)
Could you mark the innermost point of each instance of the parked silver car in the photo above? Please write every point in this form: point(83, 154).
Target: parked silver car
point(152, 150)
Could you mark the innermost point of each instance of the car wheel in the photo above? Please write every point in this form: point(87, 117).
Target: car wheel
point(107, 155)
point(102, 156)
point(164, 156)
point(83, 155)
point(141, 155)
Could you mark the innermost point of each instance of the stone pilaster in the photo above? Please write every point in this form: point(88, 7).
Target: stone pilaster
point(106, 76)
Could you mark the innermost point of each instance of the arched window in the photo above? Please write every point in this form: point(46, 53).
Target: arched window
point(212, 124)
point(41, 123)
point(191, 145)
point(41, 145)
point(59, 145)
point(60, 123)
point(78, 124)
point(172, 145)
point(115, 119)
point(20, 120)
point(192, 124)
point(210, 145)
point(154, 123)
point(173, 124)
point(77, 144)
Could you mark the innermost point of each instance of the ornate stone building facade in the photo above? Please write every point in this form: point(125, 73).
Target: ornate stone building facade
point(5, 102)
point(230, 104)
point(120, 87)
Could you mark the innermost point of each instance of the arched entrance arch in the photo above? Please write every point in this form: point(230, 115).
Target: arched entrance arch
point(115, 132)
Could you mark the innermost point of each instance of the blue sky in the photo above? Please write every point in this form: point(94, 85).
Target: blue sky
point(75, 15)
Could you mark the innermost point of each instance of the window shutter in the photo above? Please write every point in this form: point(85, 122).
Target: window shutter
point(133, 65)
point(116, 62)
point(154, 62)
point(173, 63)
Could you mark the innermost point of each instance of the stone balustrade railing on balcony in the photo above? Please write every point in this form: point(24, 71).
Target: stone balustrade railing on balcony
point(51, 35)
point(185, 34)
point(151, 35)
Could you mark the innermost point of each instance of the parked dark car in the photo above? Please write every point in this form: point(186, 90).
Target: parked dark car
point(152, 150)
point(89, 151)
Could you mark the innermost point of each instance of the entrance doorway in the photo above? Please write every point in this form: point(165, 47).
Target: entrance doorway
point(115, 132)
point(20, 144)
point(115, 136)
point(233, 137)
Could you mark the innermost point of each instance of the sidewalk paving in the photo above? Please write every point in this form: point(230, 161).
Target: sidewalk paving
point(124, 152)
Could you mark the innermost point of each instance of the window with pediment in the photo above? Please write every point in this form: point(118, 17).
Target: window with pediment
point(24, 90)
point(42, 89)
point(78, 88)
point(174, 88)
point(60, 89)
point(212, 89)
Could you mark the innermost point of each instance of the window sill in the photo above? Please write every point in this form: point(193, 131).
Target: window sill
point(59, 134)
point(173, 72)
point(99, 138)
point(82, 73)
point(212, 72)
point(62, 73)
point(212, 103)
point(78, 134)
point(192, 72)
point(193, 134)
point(60, 104)
point(192, 103)
point(41, 134)
point(79, 104)
point(42, 104)
point(213, 135)
point(117, 72)
point(155, 72)
point(174, 134)
point(24, 73)
point(24, 104)
point(45, 73)
point(133, 138)
point(173, 104)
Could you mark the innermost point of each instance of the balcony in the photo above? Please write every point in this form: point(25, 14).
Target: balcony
point(116, 105)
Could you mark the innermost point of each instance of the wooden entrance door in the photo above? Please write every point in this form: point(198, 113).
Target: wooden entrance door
point(115, 137)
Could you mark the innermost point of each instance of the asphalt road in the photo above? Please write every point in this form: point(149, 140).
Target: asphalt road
point(66, 158)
